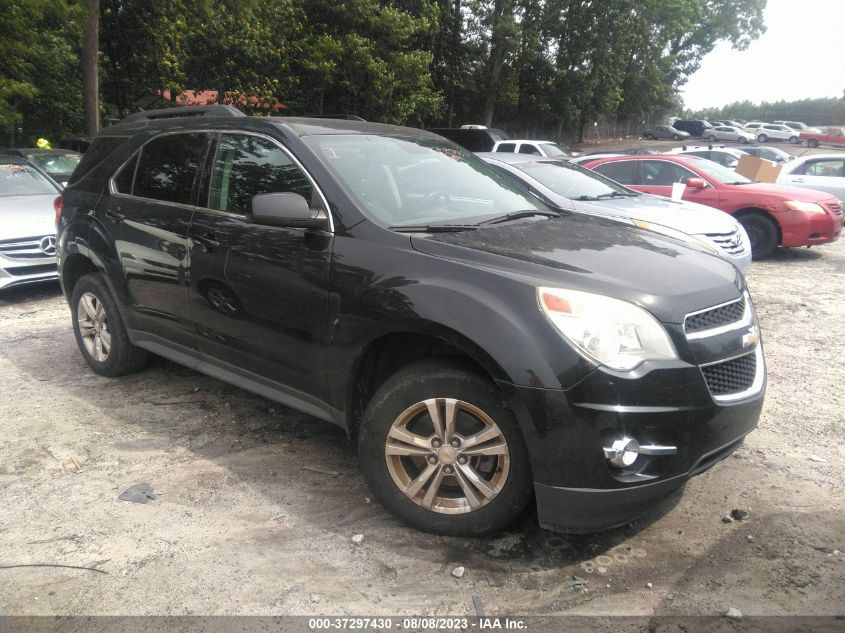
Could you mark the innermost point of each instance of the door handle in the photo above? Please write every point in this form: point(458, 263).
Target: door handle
point(797, 180)
point(115, 215)
point(206, 241)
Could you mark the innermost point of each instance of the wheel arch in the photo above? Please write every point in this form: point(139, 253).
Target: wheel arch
point(74, 267)
point(388, 353)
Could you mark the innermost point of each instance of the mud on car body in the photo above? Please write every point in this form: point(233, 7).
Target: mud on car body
point(482, 348)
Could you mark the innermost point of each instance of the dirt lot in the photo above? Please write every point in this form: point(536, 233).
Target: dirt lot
point(257, 504)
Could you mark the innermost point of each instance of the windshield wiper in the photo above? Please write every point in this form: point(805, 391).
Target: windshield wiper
point(433, 228)
point(517, 215)
point(609, 194)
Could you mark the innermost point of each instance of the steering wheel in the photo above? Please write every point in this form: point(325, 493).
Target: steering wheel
point(440, 197)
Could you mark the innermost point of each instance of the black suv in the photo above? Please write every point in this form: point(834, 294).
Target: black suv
point(693, 127)
point(481, 347)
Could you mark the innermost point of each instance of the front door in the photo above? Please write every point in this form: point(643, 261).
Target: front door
point(259, 293)
point(146, 212)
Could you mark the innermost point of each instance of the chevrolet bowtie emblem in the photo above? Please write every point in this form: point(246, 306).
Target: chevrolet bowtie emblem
point(752, 338)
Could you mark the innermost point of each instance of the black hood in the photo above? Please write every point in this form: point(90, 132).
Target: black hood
point(581, 252)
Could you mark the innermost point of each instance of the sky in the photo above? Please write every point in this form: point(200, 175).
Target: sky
point(801, 55)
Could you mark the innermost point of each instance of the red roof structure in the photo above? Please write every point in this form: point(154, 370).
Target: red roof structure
point(209, 97)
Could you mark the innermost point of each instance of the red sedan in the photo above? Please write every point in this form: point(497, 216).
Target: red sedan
point(771, 214)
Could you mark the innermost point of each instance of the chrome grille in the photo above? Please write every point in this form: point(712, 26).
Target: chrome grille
point(732, 376)
point(715, 317)
point(836, 207)
point(732, 243)
point(24, 248)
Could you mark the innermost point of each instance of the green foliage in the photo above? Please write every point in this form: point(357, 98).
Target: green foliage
point(825, 111)
point(544, 64)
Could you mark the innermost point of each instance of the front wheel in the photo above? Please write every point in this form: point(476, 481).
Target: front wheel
point(648, 136)
point(762, 138)
point(743, 140)
point(762, 234)
point(442, 452)
point(99, 330)
point(675, 137)
point(793, 139)
point(711, 138)
point(813, 142)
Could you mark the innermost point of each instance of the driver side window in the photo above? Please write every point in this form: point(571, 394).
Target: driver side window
point(248, 165)
point(662, 173)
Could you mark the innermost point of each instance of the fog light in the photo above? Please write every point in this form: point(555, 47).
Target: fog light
point(625, 451)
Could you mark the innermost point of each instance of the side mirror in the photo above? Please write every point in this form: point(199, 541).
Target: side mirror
point(286, 210)
point(696, 183)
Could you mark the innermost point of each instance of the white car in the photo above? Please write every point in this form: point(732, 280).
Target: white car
point(547, 149)
point(823, 172)
point(775, 132)
point(726, 156)
point(800, 127)
point(753, 126)
point(27, 223)
point(730, 133)
point(565, 185)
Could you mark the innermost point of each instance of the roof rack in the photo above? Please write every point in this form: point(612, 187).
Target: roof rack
point(183, 111)
point(343, 117)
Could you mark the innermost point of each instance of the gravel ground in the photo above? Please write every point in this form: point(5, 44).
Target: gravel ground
point(257, 505)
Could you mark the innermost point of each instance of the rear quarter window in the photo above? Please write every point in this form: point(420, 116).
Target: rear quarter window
point(100, 149)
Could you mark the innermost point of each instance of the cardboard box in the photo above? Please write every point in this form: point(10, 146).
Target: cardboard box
point(758, 169)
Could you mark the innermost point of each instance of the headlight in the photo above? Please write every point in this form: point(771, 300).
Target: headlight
point(676, 234)
point(806, 207)
point(611, 332)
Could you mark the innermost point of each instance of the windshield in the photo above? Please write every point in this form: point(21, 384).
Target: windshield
point(55, 163)
point(555, 149)
point(23, 180)
point(719, 172)
point(572, 181)
point(410, 181)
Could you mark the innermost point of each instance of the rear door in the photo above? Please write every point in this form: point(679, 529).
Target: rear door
point(259, 294)
point(146, 213)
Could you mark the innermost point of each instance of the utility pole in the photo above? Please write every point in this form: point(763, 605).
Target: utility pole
point(90, 66)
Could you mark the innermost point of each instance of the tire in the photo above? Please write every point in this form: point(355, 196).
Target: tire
point(447, 502)
point(762, 234)
point(793, 139)
point(743, 140)
point(762, 138)
point(648, 136)
point(675, 137)
point(99, 330)
point(813, 142)
point(712, 139)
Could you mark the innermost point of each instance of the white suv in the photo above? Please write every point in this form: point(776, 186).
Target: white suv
point(775, 132)
point(548, 149)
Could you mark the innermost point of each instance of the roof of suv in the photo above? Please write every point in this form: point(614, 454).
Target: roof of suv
point(302, 126)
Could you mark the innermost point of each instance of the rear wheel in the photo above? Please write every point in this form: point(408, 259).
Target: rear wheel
point(813, 142)
point(442, 452)
point(648, 135)
point(712, 138)
point(743, 140)
point(675, 137)
point(793, 139)
point(762, 138)
point(99, 330)
point(762, 234)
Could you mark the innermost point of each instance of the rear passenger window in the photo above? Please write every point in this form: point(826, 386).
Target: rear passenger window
point(248, 165)
point(623, 171)
point(507, 147)
point(168, 167)
point(528, 149)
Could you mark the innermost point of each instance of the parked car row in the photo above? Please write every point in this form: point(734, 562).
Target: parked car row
point(488, 337)
point(734, 131)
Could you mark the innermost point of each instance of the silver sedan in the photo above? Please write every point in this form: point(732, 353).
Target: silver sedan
point(729, 133)
point(27, 223)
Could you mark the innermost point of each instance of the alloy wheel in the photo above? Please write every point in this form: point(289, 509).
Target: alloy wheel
point(447, 456)
point(94, 326)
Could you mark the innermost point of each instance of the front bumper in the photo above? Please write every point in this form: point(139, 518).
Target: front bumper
point(665, 404)
point(813, 229)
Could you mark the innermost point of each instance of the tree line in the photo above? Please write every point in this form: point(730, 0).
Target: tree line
point(825, 111)
point(522, 64)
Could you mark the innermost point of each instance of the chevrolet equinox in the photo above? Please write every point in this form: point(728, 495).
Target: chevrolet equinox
point(483, 349)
